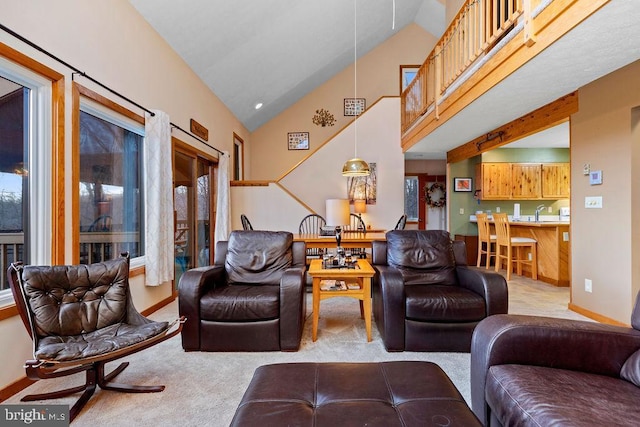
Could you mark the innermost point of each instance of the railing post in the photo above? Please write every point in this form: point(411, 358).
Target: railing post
point(438, 82)
point(529, 30)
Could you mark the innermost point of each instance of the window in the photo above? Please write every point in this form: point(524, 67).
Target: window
point(411, 197)
point(25, 169)
point(110, 184)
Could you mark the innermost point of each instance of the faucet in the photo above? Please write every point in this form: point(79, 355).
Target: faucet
point(538, 210)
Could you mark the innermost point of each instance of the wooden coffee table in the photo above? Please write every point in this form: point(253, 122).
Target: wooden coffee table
point(360, 275)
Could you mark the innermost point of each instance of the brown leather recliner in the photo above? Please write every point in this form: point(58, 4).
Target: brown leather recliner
point(541, 371)
point(251, 299)
point(425, 297)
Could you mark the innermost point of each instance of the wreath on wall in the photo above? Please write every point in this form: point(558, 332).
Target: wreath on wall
point(436, 195)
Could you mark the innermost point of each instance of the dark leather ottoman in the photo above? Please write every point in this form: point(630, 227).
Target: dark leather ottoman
point(386, 394)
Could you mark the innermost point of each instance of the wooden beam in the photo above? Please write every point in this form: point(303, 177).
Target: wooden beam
point(544, 117)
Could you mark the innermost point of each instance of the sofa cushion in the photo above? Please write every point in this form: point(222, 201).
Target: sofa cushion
point(631, 369)
point(259, 257)
point(422, 257)
point(438, 303)
point(241, 303)
point(539, 396)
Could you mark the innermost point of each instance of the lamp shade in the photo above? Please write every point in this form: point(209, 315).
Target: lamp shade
point(356, 167)
point(359, 206)
point(337, 212)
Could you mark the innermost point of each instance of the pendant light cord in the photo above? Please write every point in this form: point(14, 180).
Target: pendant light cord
point(355, 76)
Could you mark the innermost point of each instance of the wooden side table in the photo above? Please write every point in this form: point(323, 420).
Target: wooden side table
point(361, 275)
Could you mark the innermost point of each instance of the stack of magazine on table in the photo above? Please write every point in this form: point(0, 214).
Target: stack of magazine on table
point(337, 285)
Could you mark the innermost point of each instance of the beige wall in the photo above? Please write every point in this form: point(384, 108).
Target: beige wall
point(111, 42)
point(604, 249)
point(452, 7)
point(377, 76)
point(319, 177)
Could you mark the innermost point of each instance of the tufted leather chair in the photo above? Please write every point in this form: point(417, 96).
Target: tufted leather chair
point(80, 317)
point(425, 298)
point(251, 299)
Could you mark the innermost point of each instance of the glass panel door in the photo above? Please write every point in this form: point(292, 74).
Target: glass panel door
point(193, 196)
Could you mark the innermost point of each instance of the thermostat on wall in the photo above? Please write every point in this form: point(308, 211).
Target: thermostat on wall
point(595, 177)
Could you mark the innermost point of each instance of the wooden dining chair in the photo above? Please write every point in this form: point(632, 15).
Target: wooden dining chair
point(508, 246)
point(357, 224)
point(311, 224)
point(246, 224)
point(486, 240)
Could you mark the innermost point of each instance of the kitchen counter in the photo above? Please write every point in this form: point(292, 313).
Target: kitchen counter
point(553, 248)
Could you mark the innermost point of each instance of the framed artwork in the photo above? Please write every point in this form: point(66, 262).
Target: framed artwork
point(298, 140)
point(364, 187)
point(462, 184)
point(407, 74)
point(354, 106)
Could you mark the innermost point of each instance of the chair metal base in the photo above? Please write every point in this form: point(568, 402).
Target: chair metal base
point(94, 376)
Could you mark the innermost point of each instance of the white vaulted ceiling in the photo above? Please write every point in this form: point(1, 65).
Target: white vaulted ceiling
point(277, 51)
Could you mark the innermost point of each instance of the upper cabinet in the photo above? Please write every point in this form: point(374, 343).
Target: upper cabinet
point(523, 181)
point(556, 180)
point(494, 179)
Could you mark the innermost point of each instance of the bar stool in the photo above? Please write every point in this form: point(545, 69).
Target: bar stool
point(508, 243)
point(485, 237)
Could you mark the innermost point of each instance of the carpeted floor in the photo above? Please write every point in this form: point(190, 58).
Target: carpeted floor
point(204, 389)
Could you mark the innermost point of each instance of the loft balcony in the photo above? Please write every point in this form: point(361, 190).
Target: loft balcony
point(502, 59)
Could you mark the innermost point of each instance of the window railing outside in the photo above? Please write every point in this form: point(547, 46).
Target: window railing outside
point(479, 25)
point(11, 247)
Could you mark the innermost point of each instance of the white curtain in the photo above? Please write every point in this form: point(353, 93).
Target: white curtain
point(223, 213)
point(159, 236)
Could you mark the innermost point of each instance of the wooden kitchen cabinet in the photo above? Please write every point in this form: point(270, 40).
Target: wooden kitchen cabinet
point(525, 181)
point(494, 180)
point(556, 180)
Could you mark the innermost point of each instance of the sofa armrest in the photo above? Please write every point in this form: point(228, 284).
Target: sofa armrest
point(491, 286)
point(292, 308)
point(541, 341)
point(389, 306)
point(193, 284)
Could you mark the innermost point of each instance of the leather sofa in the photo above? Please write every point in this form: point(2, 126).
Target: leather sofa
point(251, 299)
point(425, 297)
point(538, 371)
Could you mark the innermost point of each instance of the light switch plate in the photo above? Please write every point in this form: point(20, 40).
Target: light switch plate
point(593, 202)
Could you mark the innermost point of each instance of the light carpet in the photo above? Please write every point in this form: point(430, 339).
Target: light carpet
point(204, 389)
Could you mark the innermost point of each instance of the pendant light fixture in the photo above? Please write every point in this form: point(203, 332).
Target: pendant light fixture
point(355, 166)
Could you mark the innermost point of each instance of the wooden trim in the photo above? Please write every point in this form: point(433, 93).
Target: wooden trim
point(406, 66)
point(8, 311)
point(58, 174)
point(250, 183)
point(237, 137)
point(33, 65)
point(190, 150)
point(94, 96)
point(75, 173)
point(137, 271)
point(15, 388)
point(545, 117)
point(595, 316)
point(293, 196)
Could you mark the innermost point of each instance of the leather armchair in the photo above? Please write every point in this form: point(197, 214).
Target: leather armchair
point(530, 370)
point(425, 297)
point(251, 299)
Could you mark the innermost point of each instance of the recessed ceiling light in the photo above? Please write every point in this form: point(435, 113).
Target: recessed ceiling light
point(258, 105)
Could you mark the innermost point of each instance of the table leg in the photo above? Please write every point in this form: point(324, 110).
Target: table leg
point(316, 308)
point(366, 285)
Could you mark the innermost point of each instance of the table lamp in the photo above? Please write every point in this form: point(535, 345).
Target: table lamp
point(337, 215)
point(360, 207)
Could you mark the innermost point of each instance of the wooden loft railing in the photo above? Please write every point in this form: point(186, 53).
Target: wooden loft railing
point(477, 27)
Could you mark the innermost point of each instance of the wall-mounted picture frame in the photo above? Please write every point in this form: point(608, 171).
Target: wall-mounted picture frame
point(462, 184)
point(354, 106)
point(298, 140)
point(595, 177)
point(407, 74)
